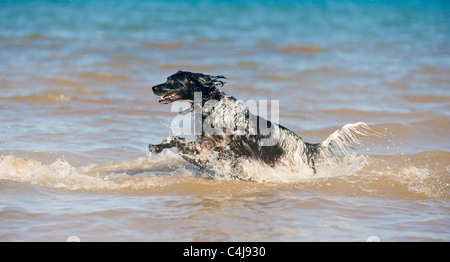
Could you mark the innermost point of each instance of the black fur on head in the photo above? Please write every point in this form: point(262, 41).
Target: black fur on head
point(182, 85)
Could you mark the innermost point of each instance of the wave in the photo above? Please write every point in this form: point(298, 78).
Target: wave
point(57, 97)
point(103, 76)
point(426, 99)
point(163, 46)
point(43, 97)
point(194, 68)
point(300, 48)
point(420, 176)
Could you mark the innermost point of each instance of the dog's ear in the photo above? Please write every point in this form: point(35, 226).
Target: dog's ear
point(216, 82)
point(211, 81)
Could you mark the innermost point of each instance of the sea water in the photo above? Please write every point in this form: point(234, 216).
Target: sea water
point(77, 113)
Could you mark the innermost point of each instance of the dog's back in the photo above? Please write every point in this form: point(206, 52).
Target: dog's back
point(272, 143)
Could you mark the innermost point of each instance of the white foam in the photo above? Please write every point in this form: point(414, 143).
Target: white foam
point(167, 170)
point(61, 175)
point(420, 180)
point(258, 172)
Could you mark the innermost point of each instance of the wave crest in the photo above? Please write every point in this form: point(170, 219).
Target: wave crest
point(400, 176)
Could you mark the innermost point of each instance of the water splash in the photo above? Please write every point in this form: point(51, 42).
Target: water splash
point(381, 176)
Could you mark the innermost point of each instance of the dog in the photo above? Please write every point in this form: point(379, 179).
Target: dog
point(239, 134)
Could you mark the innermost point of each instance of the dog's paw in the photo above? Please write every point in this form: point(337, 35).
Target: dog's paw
point(154, 149)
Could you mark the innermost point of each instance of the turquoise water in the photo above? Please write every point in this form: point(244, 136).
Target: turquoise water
point(403, 29)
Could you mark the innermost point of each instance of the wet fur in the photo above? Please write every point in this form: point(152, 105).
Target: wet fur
point(249, 143)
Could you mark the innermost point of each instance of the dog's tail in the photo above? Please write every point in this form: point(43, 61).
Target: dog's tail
point(338, 143)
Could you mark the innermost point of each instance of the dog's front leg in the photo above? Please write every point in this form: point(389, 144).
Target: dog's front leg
point(196, 161)
point(186, 147)
point(188, 150)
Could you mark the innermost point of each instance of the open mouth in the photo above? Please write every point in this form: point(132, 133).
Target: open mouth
point(169, 98)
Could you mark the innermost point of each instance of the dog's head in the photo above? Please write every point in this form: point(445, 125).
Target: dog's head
point(182, 86)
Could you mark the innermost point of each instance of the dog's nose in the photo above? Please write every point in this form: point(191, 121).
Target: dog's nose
point(157, 89)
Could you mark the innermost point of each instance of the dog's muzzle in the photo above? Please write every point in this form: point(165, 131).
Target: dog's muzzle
point(165, 95)
point(169, 98)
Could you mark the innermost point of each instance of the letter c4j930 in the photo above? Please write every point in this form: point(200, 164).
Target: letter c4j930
point(246, 252)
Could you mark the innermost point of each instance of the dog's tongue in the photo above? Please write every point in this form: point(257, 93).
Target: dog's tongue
point(169, 98)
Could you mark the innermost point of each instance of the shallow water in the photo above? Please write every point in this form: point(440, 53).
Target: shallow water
point(77, 112)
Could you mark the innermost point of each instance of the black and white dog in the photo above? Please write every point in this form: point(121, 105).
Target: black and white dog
point(228, 128)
